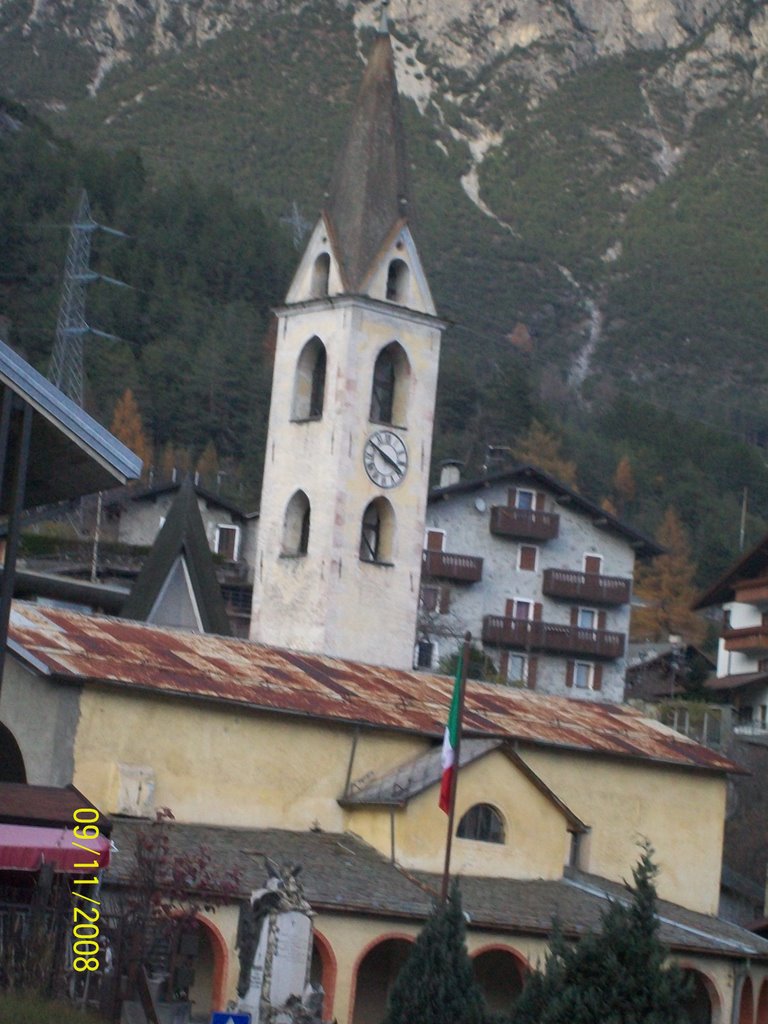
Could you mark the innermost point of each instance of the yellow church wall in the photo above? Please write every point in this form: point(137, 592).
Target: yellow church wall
point(681, 813)
point(223, 766)
point(536, 843)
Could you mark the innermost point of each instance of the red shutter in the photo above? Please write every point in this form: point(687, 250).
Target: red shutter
point(574, 616)
point(540, 499)
point(601, 620)
point(509, 608)
point(527, 557)
point(533, 668)
point(597, 677)
point(504, 664)
point(592, 563)
point(569, 669)
point(435, 540)
point(445, 600)
point(511, 497)
point(537, 610)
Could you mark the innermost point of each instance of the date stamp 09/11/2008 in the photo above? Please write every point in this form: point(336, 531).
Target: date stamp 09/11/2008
point(85, 910)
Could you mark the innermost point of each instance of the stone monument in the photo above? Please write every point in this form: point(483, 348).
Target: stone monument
point(274, 941)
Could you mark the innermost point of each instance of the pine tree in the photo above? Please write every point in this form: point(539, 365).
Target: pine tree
point(436, 984)
point(666, 588)
point(614, 976)
point(128, 427)
point(624, 486)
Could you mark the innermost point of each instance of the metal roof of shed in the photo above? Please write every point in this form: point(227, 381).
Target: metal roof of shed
point(78, 648)
point(71, 454)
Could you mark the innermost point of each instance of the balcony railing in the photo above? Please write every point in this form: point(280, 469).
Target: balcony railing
point(445, 566)
point(548, 636)
point(752, 591)
point(748, 639)
point(586, 586)
point(525, 523)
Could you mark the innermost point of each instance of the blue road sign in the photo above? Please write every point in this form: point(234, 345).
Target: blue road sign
point(230, 1018)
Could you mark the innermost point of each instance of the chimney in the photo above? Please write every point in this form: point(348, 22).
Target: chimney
point(450, 472)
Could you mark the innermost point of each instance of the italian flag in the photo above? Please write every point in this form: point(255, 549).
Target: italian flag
point(450, 740)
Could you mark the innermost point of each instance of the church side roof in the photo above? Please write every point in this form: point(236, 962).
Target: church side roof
point(71, 647)
point(182, 536)
point(368, 194)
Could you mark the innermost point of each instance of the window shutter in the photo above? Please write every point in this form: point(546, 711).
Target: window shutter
point(528, 557)
point(509, 608)
point(445, 600)
point(537, 610)
point(597, 677)
point(601, 619)
point(569, 667)
point(592, 564)
point(533, 668)
point(540, 499)
point(435, 540)
point(504, 664)
point(574, 616)
point(511, 497)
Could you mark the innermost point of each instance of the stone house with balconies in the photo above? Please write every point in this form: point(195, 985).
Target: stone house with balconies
point(539, 575)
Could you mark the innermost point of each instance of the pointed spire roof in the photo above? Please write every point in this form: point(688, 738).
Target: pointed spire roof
point(182, 537)
point(368, 195)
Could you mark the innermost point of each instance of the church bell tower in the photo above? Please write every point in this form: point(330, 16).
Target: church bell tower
point(353, 396)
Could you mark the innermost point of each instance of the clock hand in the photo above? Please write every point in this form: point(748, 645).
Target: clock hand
point(387, 458)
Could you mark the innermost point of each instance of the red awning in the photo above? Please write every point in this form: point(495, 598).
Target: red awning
point(28, 847)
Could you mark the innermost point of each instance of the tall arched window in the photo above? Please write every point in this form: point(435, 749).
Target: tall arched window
point(389, 390)
point(309, 385)
point(483, 823)
point(320, 274)
point(377, 532)
point(397, 281)
point(296, 525)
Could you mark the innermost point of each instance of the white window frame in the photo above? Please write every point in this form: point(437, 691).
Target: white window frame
point(522, 600)
point(595, 617)
point(524, 508)
point(520, 557)
point(590, 683)
point(217, 537)
point(523, 677)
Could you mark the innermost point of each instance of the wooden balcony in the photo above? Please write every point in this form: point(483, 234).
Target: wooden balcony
point(524, 523)
point(752, 591)
point(443, 565)
point(589, 587)
point(524, 634)
point(748, 639)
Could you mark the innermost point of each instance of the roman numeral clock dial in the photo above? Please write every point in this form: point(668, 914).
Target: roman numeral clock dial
point(385, 458)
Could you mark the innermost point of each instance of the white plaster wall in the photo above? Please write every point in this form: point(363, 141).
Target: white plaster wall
point(467, 531)
point(141, 521)
point(330, 601)
point(734, 662)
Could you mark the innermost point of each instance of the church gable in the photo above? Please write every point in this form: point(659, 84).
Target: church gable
point(318, 274)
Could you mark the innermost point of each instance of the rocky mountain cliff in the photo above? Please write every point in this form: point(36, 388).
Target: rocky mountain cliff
point(590, 176)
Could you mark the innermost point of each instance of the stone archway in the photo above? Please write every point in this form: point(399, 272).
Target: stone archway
point(762, 1004)
point(747, 1002)
point(323, 970)
point(500, 972)
point(374, 975)
point(11, 760)
point(207, 991)
point(703, 1005)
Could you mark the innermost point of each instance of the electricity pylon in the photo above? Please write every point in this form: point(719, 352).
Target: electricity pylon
point(66, 368)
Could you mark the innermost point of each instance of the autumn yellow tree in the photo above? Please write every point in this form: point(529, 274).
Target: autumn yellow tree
point(541, 448)
point(664, 589)
point(208, 465)
point(128, 428)
point(624, 486)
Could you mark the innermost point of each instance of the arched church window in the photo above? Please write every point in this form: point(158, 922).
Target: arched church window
point(389, 389)
point(309, 386)
point(320, 274)
point(397, 281)
point(296, 525)
point(377, 533)
point(483, 823)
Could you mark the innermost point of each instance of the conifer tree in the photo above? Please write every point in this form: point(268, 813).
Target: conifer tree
point(128, 427)
point(666, 588)
point(624, 486)
point(614, 976)
point(436, 984)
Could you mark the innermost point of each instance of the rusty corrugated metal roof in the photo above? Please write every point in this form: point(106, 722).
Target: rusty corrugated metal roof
point(77, 647)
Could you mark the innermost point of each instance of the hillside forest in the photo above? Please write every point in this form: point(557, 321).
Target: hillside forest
point(192, 344)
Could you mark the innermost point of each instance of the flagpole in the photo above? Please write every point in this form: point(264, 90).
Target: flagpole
point(455, 775)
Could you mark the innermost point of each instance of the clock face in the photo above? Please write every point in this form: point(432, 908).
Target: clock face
point(385, 458)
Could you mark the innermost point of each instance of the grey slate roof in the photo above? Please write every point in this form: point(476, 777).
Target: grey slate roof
point(413, 777)
point(342, 874)
point(70, 454)
point(182, 534)
point(368, 194)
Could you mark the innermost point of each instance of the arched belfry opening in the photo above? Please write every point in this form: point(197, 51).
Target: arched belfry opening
point(398, 281)
point(297, 524)
point(321, 272)
point(377, 532)
point(309, 383)
point(389, 387)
